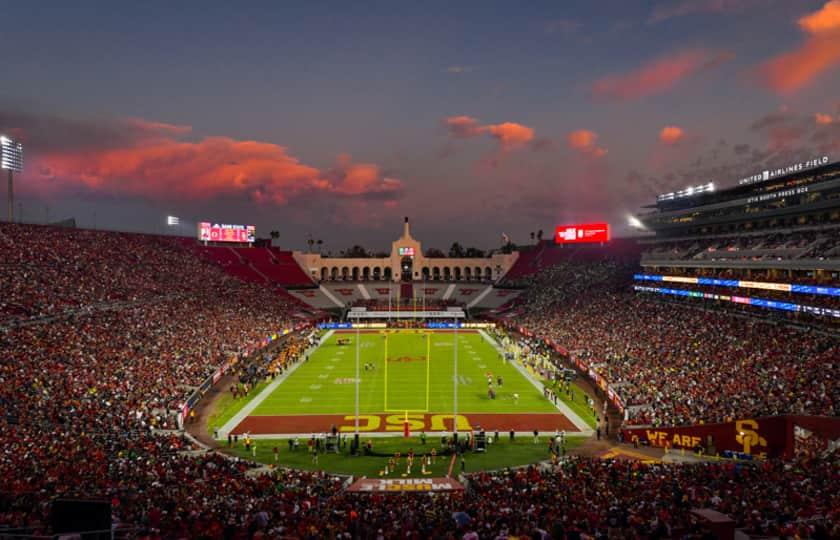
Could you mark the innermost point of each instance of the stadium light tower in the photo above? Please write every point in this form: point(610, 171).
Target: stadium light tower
point(11, 159)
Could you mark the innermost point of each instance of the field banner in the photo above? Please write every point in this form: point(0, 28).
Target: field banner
point(769, 437)
point(402, 485)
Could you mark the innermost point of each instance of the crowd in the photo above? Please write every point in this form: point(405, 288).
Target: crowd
point(676, 365)
point(103, 336)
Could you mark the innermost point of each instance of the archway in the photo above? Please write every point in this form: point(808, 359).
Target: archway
point(406, 268)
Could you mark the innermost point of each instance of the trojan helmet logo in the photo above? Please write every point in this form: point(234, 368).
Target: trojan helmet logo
point(747, 435)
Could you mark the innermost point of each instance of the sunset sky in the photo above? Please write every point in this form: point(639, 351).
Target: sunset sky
point(473, 118)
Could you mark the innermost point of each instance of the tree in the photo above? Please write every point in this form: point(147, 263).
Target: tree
point(532, 236)
point(435, 253)
point(474, 253)
point(509, 247)
point(320, 243)
point(456, 251)
point(274, 235)
point(539, 235)
point(309, 242)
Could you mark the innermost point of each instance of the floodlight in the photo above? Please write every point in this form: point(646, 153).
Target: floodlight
point(11, 159)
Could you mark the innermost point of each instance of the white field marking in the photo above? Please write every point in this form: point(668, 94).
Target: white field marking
point(262, 396)
point(561, 406)
point(322, 376)
point(329, 367)
point(314, 386)
point(482, 366)
point(305, 399)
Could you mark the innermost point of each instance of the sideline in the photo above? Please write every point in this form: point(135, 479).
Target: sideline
point(267, 391)
point(560, 405)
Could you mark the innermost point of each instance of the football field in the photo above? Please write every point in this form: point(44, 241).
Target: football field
point(404, 376)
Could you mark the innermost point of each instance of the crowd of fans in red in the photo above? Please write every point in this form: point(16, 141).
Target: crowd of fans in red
point(675, 365)
point(102, 335)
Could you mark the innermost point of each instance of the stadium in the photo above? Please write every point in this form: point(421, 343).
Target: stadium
point(663, 363)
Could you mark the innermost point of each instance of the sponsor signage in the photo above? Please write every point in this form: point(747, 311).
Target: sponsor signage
point(459, 314)
point(402, 485)
point(582, 233)
point(747, 438)
point(406, 251)
point(772, 174)
point(765, 285)
point(225, 232)
point(759, 302)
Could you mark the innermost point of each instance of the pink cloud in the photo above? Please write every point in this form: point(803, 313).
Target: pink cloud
point(585, 142)
point(158, 165)
point(671, 134)
point(462, 127)
point(510, 135)
point(823, 119)
point(657, 76)
point(820, 52)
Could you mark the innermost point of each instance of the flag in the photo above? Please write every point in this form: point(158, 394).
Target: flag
point(406, 429)
point(505, 239)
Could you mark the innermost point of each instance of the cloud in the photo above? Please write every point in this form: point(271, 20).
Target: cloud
point(462, 127)
point(657, 76)
point(152, 160)
point(510, 135)
point(663, 12)
point(671, 135)
point(457, 70)
point(823, 119)
point(820, 52)
point(585, 142)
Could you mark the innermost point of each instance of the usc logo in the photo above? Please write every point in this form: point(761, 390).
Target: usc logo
point(747, 435)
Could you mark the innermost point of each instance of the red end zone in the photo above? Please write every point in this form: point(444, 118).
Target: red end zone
point(394, 423)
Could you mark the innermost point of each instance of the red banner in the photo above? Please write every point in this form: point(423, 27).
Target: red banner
point(760, 437)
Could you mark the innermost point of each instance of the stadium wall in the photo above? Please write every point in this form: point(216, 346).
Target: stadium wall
point(766, 437)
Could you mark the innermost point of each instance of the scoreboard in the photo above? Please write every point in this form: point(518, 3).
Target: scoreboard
point(223, 232)
point(582, 233)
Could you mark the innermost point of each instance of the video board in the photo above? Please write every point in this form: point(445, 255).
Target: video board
point(582, 233)
point(224, 232)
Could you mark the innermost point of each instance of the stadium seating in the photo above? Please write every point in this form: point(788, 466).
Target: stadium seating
point(675, 365)
point(104, 334)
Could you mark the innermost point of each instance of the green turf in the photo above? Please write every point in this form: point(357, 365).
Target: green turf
point(225, 407)
point(418, 376)
point(576, 402)
point(504, 453)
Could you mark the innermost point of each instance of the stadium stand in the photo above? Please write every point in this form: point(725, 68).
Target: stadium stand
point(105, 334)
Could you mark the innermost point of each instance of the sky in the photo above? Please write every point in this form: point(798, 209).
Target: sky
point(333, 120)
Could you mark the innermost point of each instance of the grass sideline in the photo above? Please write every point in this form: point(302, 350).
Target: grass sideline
point(522, 451)
point(226, 406)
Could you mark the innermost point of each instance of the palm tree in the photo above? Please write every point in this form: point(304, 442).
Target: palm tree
point(320, 243)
